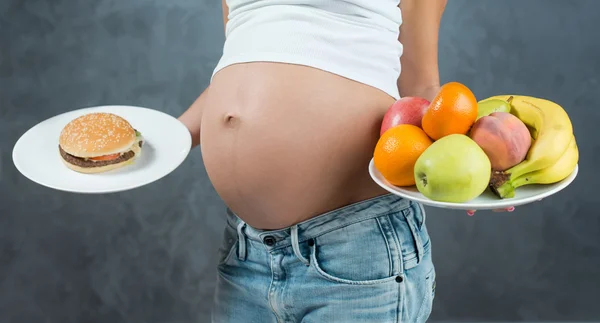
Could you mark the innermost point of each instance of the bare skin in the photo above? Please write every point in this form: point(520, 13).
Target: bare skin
point(282, 149)
point(282, 143)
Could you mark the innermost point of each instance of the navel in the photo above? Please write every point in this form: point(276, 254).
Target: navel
point(231, 120)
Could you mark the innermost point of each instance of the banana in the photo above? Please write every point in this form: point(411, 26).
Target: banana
point(550, 128)
point(560, 170)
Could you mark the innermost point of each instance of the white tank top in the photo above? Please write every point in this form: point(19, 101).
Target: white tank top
point(356, 39)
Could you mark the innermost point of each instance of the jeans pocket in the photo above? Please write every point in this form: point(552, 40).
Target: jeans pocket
point(357, 254)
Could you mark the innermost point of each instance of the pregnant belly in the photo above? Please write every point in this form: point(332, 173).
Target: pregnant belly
point(283, 143)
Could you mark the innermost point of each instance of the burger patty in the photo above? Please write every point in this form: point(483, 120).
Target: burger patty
point(82, 162)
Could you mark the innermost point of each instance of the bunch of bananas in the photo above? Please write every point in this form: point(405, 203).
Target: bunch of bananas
point(553, 154)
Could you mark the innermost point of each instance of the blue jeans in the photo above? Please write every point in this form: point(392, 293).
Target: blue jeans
point(366, 262)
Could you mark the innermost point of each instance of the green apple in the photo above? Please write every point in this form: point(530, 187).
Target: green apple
point(489, 106)
point(453, 169)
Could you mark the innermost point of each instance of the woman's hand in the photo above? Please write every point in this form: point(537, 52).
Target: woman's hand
point(508, 209)
point(425, 92)
point(429, 93)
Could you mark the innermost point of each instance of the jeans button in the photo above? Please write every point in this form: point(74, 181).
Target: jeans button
point(269, 241)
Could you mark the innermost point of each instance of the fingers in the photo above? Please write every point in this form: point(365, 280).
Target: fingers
point(508, 209)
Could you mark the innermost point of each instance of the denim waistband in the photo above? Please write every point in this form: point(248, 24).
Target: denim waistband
point(326, 222)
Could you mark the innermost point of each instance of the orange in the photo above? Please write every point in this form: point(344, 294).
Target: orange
point(452, 111)
point(397, 151)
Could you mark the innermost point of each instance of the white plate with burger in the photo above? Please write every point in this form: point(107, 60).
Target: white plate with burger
point(102, 149)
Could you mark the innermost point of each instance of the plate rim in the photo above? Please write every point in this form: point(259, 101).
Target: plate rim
point(502, 203)
point(122, 188)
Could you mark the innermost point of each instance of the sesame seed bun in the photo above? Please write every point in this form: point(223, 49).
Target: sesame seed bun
point(97, 134)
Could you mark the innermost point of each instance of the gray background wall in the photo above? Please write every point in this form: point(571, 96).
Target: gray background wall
point(146, 255)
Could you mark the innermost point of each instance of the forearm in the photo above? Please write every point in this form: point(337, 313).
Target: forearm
point(192, 118)
point(419, 34)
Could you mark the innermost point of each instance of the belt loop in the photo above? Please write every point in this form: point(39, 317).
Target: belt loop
point(423, 215)
point(393, 241)
point(296, 245)
point(241, 241)
point(412, 224)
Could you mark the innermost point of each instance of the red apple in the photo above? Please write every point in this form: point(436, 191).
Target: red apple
point(407, 110)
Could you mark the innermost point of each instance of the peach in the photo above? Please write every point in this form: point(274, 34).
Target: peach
point(503, 137)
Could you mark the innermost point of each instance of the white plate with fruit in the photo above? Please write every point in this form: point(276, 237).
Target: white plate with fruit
point(457, 153)
point(102, 149)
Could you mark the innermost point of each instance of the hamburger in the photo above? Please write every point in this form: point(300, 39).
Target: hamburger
point(99, 142)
